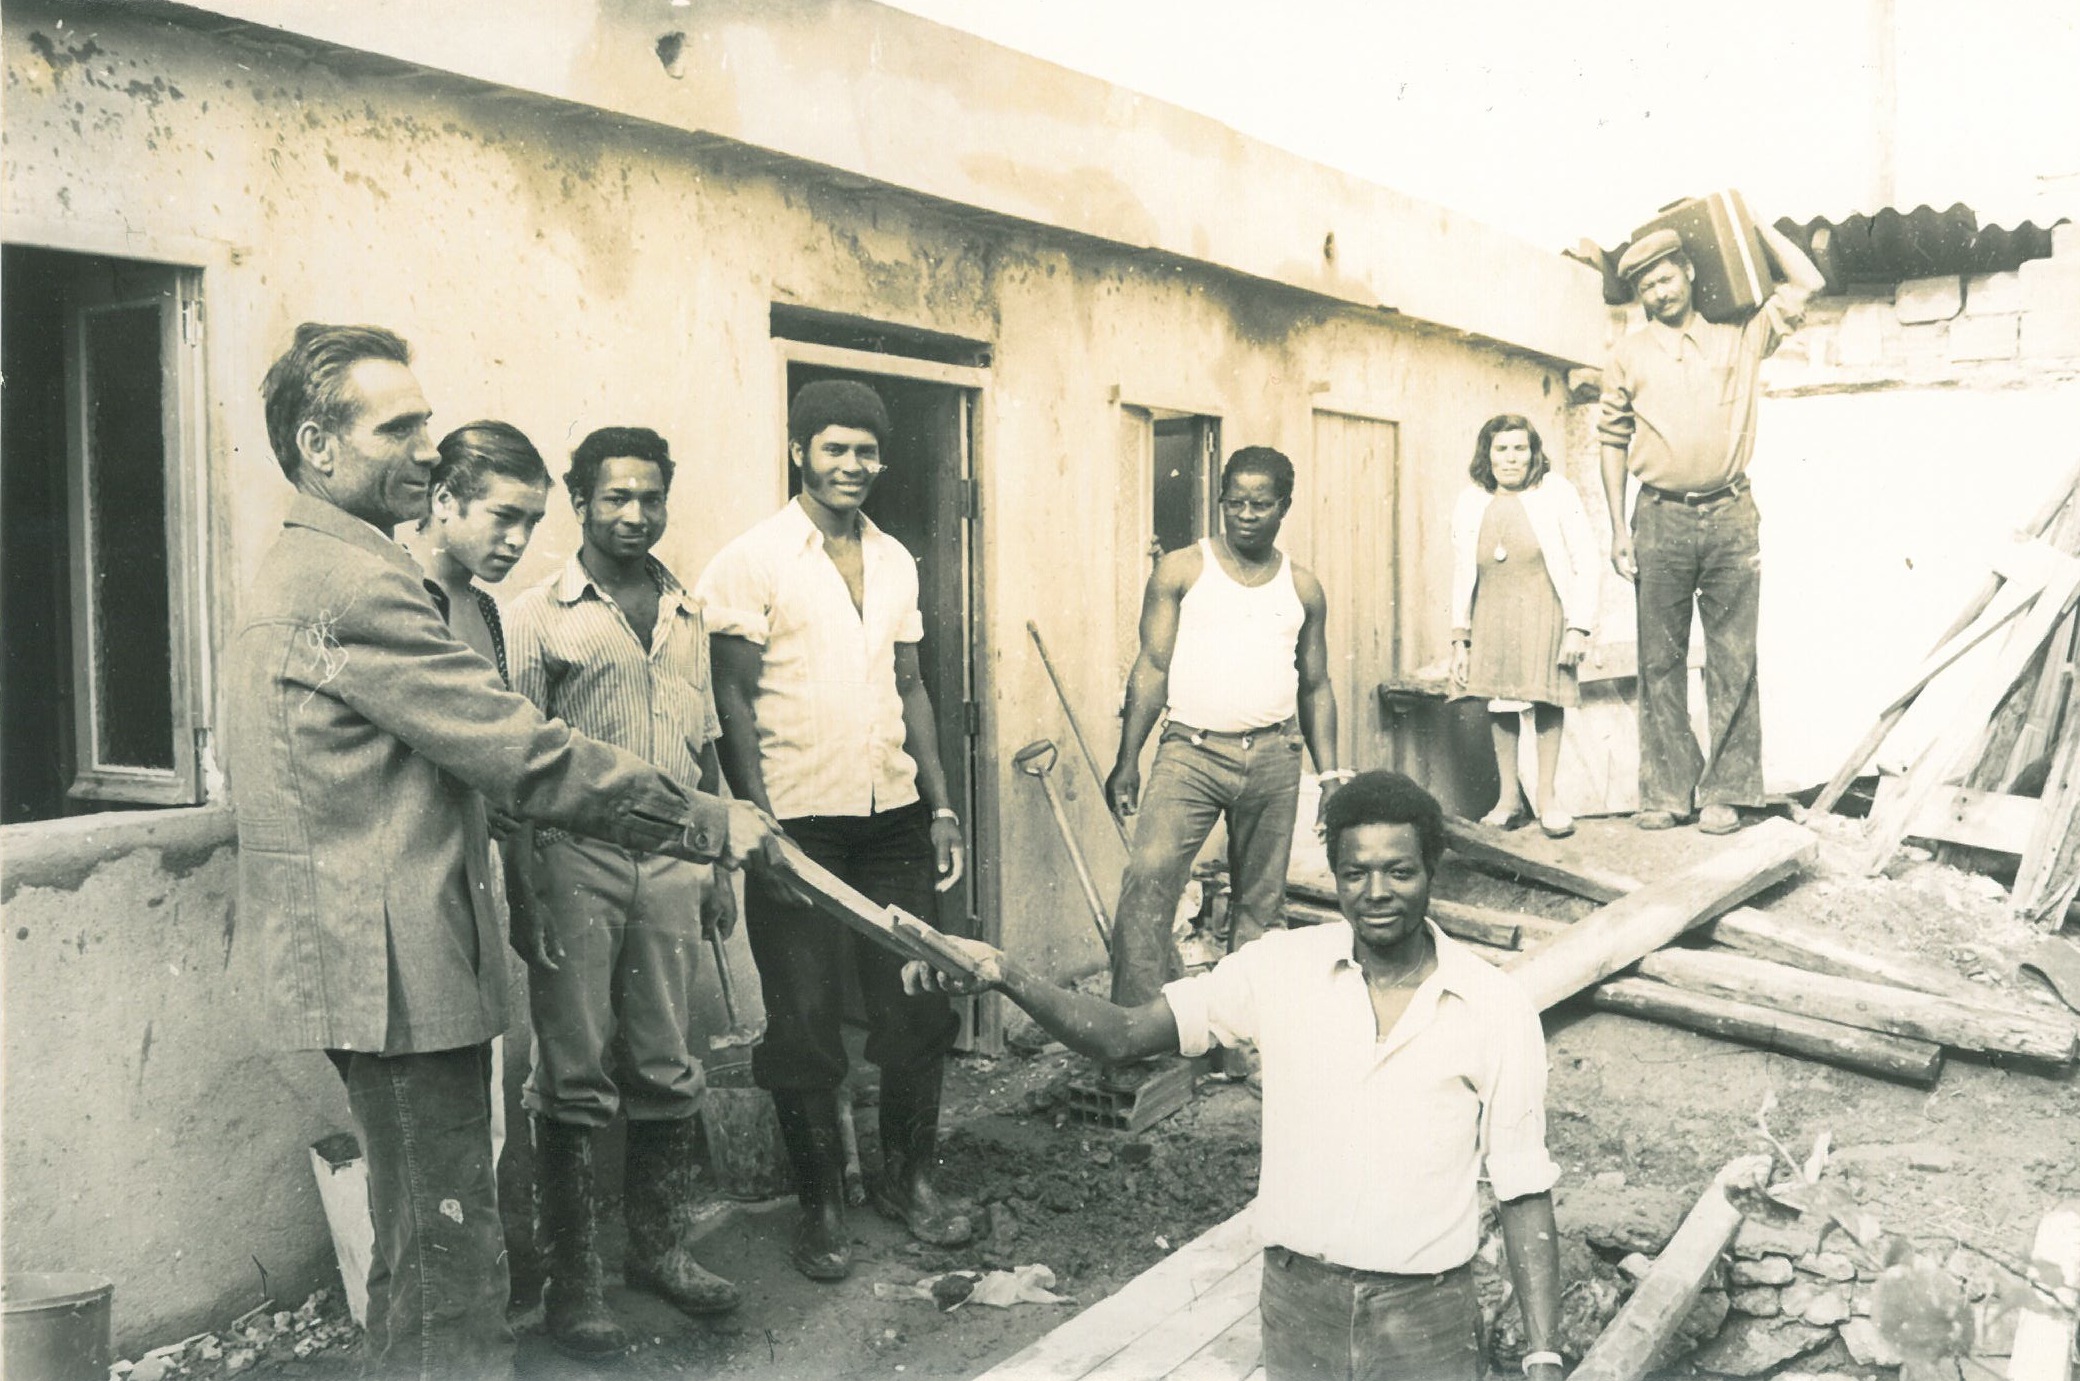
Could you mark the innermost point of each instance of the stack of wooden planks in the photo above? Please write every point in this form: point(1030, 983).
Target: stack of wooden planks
point(2003, 773)
point(1760, 979)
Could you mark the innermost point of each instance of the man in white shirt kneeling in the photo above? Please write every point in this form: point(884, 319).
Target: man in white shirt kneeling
point(1397, 1064)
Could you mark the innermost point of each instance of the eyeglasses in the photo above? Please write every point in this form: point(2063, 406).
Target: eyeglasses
point(1250, 508)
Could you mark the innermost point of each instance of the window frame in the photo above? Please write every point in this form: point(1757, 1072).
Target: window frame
point(188, 396)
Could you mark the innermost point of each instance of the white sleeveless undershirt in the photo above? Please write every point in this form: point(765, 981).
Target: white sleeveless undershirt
point(1234, 667)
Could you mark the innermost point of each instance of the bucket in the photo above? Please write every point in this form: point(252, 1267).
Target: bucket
point(56, 1326)
point(743, 1131)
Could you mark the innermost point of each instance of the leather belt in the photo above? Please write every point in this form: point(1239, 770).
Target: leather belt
point(1246, 737)
point(1733, 488)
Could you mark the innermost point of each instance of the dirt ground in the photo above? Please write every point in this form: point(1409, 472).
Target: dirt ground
point(1977, 1159)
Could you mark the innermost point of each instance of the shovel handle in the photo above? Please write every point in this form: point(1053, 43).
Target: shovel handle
point(729, 991)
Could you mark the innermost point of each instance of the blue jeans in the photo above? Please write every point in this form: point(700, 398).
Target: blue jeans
point(1331, 1323)
point(1709, 554)
point(437, 1284)
point(1254, 780)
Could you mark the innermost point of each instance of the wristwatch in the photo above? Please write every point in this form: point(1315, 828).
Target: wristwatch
point(1542, 1359)
point(1336, 774)
point(946, 813)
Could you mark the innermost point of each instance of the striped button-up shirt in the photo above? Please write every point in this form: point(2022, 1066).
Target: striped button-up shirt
point(574, 654)
point(1374, 1143)
point(830, 720)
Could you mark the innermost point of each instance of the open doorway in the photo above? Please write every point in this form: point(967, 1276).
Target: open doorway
point(925, 501)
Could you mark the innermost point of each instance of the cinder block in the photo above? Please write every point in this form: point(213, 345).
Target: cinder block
point(1986, 294)
point(1928, 299)
point(1984, 337)
point(2065, 240)
point(2051, 335)
point(1861, 340)
point(1925, 344)
point(2050, 282)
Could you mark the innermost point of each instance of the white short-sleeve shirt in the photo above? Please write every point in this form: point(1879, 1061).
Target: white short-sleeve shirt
point(830, 721)
point(1373, 1149)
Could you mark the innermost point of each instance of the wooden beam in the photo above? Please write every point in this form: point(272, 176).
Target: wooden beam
point(1533, 929)
point(1563, 867)
point(1632, 1340)
point(2049, 874)
point(1640, 922)
point(2048, 1034)
point(1871, 1052)
point(1765, 935)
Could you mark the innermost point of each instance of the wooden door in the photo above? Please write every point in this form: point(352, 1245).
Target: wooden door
point(1349, 498)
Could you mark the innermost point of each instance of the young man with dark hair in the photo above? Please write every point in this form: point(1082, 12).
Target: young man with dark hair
point(1397, 1064)
point(1233, 651)
point(366, 740)
point(825, 721)
point(1679, 401)
point(615, 646)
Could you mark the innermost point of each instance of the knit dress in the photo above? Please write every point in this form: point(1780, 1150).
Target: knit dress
point(1518, 624)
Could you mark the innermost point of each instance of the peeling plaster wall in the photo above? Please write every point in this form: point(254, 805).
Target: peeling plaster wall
point(566, 271)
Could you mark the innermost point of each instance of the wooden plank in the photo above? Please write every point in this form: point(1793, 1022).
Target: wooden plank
point(1871, 1052)
point(1981, 819)
point(1599, 945)
point(2045, 1034)
point(1233, 1354)
point(2043, 1348)
point(1531, 929)
point(1561, 865)
point(1460, 922)
point(1093, 1337)
point(2046, 878)
point(1174, 1340)
point(890, 927)
point(1628, 1345)
point(1765, 935)
point(1944, 760)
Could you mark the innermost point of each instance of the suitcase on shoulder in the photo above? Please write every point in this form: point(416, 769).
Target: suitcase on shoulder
point(1733, 269)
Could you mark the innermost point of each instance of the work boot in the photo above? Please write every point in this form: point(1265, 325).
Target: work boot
point(809, 1126)
point(660, 1203)
point(574, 1303)
point(909, 1156)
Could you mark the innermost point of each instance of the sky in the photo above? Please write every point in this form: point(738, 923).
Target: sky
point(1551, 122)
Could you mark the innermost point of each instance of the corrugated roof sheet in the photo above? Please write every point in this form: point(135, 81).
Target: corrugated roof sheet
point(1861, 252)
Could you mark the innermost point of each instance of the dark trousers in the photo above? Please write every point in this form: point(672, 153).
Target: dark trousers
point(802, 954)
point(1330, 1323)
point(437, 1285)
point(1710, 555)
point(1254, 780)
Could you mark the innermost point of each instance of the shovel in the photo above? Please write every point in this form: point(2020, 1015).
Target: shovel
point(1037, 761)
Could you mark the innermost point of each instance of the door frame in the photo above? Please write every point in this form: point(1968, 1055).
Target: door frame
point(982, 1019)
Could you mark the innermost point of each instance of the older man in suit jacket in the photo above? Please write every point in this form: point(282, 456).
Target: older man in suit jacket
point(366, 739)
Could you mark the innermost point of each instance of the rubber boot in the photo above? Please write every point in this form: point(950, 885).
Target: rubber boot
point(910, 1155)
point(574, 1303)
point(809, 1126)
point(659, 1199)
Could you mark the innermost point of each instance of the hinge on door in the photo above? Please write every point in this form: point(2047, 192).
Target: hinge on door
point(971, 499)
point(191, 321)
point(972, 710)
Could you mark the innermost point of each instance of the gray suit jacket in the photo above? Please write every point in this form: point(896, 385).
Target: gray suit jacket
point(361, 732)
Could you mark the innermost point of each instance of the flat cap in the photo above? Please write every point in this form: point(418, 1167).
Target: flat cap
point(1653, 246)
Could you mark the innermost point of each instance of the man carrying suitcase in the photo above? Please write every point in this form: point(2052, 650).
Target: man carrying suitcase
point(1679, 403)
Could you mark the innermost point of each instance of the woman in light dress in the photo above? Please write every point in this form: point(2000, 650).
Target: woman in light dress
point(1525, 584)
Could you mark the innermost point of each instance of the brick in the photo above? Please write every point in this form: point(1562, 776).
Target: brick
point(1928, 299)
point(1987, 293)
point(2051, 335)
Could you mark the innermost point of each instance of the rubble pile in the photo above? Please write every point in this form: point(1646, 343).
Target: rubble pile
point(263, 1335)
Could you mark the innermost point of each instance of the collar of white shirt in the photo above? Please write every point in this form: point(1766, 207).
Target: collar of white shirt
point(574, 581)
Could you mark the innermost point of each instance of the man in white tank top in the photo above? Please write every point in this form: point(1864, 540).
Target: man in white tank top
point(1232, 648)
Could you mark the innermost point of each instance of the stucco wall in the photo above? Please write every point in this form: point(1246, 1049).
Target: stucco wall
point(565, 272)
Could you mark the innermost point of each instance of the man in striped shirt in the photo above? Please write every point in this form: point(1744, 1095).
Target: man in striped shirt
point(615, 647)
